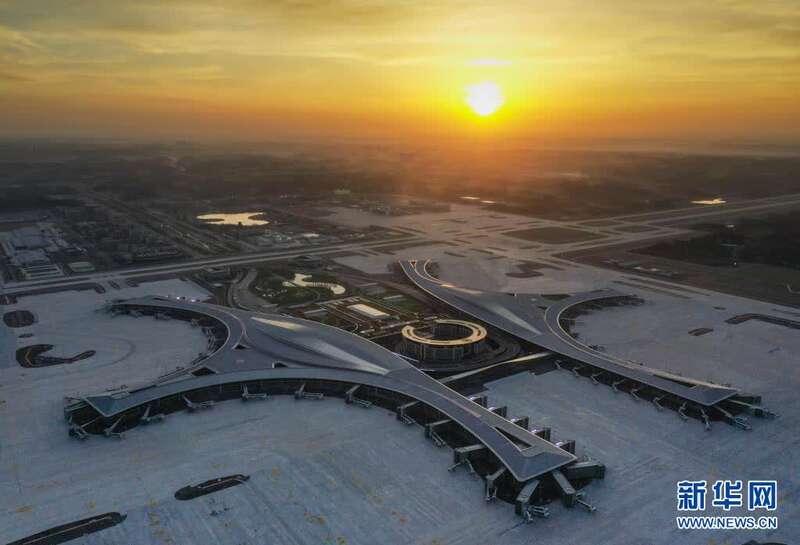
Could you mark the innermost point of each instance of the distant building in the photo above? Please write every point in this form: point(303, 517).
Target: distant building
point(80, 267)
point(28, 238)
point(42, 272)
point(368, 312)
point(30, 258)
point(371, 288)
point(155, 254)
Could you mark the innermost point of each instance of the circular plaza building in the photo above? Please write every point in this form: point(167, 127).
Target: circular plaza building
point(445, 341)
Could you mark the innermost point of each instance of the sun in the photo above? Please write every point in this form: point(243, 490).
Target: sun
point(484, 98)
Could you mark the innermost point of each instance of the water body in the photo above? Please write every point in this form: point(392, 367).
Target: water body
point(235, 218)
point(473, 199)
point(711, 202)
point(300, 281)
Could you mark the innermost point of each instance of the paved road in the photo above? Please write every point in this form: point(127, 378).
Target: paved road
point(433, 233)
point(240, 296)
point(699, 210)
point(71, 281)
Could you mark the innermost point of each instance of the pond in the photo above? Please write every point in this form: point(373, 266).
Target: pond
point(234, 218)
point(477, 199)
point(299, 280)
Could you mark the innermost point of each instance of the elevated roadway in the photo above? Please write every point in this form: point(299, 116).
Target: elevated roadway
point(17, 288)
point(540, 321)
point(263, 348)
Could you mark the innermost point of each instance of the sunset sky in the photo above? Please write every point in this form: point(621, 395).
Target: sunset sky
point(260, 69)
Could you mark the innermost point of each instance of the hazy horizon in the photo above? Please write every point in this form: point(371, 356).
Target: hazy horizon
point(241, 70)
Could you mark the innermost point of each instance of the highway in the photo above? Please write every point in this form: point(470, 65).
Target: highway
point(195, 264)
point(474, 235)
point(697, 211)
